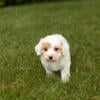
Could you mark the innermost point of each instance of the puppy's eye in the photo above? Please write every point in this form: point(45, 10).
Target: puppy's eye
point(45, 49)
point(56, 49)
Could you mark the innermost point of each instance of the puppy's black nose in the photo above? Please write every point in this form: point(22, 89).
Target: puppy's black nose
point(50, 57)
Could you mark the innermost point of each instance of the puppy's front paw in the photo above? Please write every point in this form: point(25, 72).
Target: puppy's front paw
point(49, 73)
point(65, 79)
point(65, 76)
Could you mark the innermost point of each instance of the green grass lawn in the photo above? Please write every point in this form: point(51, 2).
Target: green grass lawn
point(22, 76)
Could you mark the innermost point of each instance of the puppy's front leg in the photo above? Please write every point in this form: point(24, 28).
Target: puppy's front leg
point(65, 74)
point(48, 72)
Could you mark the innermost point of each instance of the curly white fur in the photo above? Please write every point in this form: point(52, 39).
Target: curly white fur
point(55, 55)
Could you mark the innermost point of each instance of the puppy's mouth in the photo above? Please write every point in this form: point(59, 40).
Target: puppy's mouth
point(53, 60)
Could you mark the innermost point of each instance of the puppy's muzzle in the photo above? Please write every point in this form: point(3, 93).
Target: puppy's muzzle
point(50, 57)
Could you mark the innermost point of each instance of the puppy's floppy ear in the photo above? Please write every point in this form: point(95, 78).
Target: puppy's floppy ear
point(65, 46)
point(38, 48)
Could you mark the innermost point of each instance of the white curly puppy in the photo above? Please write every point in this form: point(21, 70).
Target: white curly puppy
point(55, 55)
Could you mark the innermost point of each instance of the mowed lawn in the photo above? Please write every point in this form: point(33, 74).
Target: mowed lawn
point(22, 76)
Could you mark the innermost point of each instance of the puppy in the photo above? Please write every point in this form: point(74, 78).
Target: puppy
point(55, 55)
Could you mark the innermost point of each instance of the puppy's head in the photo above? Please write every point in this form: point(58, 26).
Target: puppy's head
point(51, 48)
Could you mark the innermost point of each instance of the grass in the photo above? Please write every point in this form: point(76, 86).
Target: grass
point(22, 76)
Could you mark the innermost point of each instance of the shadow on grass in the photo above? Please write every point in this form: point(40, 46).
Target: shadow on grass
point(27, 2)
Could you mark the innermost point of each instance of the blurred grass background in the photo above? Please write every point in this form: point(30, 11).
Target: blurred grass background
point(22, 76)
